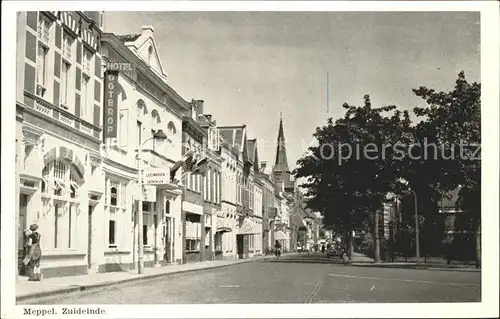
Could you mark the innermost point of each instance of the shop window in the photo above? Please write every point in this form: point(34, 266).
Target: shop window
point(192, 244)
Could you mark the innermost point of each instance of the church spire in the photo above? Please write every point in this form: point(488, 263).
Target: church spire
point(281, 163)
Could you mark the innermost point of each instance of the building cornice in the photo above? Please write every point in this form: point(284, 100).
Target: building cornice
point(192, 128)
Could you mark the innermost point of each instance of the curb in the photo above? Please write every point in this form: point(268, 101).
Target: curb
point(372, 265)
point(67, 290)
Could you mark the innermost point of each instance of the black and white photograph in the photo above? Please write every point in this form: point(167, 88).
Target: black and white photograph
point(256, 156)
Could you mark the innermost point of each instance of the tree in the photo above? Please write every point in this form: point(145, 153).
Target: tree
point(452, 121)
point(351, 171)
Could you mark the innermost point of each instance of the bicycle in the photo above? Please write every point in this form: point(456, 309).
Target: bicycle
point(277, 253)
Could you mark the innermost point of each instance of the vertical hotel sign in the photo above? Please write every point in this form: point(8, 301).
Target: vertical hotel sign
point(111, 91)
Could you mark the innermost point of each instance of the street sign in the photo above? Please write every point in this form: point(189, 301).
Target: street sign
point(156, 176)
point(110, 104)
point(148, 193)
point(120, 66)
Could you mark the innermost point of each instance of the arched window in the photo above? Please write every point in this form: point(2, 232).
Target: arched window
point(114, 196)
point(155, 120)
point(171, 129)
point(167, 207)
point(60, 186)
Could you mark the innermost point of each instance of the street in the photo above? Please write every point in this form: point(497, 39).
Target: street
point(291, 279)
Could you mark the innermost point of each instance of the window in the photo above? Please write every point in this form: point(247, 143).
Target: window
point(138, 134)
point(44, 30)
point(41, 76)
point(87, 61)
point(114, 196)
point(65, 74)
point(115, 208)
point(192, 244)
point(67, 43)
point(218, 241)
point(62, 180)
point(85, 109)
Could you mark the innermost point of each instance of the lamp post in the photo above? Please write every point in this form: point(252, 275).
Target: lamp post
point(417, 230)
point(160, 136)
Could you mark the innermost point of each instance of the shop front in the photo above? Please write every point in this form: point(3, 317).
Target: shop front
point(245, 237)
point(54, 194)
point(193, 215)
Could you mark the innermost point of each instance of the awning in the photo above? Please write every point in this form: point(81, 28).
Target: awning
point(246, 227)
point(280, 235)
point(223, 225)
point(257, 227)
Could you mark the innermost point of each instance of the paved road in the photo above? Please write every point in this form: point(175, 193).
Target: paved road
point(293, 279)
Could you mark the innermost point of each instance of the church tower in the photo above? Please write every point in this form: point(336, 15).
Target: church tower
point(281, 172)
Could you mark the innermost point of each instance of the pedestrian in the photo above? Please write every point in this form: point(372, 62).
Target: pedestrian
point(32, 259)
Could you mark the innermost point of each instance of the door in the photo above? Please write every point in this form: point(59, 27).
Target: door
point(166, 237)
point(246, 246)
point(21, 241)
point(155, 234)
point(89, 242)
point(239, 246)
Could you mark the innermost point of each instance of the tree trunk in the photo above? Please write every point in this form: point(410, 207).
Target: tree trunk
point(478, 244)
point(376, 239)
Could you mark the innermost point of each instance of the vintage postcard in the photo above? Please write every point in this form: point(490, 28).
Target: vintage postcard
point(241, 159)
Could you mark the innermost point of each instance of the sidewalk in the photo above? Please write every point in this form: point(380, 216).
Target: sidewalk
point(360, 260)
point(26, 290)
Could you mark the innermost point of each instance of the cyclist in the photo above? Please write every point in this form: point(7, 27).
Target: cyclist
point(277, 248)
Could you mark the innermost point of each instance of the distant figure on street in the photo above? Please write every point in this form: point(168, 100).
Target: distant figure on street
point(277, 248)
point(323, 248)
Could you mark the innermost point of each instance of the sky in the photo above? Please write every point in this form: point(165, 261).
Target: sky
point(249, 67)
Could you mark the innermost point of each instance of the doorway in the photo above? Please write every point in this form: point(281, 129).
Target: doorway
point(21, 241)
point(167, 256)
point(89, 242)
point(239, 246)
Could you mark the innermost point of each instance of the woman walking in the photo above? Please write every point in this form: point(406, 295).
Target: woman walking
point(32, 259)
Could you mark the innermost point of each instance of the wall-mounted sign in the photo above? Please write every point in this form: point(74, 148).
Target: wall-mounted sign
point(149, 193)
point(111, 91)
point(120, 66)
point(156, 176)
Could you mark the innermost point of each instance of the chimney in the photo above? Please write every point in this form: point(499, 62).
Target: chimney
point(148, 30)
point(263, 166)
point(199, 106)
